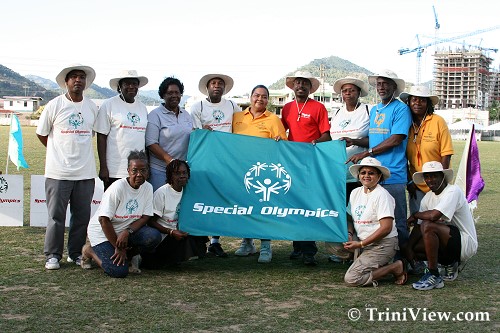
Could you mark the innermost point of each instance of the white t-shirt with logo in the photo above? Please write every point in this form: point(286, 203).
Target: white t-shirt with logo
point(69, 126)
point(166, 204)
point(125, 125)
point(218, 115)
point(123, 205)
point(451, 202)
point(368, 208)
point(354, 125)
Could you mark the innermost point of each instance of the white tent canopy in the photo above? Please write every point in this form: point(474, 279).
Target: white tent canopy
point(465, 125)
point(492, 127)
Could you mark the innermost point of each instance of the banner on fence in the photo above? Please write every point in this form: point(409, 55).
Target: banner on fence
point(11, 200)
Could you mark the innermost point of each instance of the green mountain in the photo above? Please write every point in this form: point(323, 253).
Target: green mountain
point(13, 84)
point(333, 68)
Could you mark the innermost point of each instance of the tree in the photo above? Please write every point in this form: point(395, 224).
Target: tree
point(494, 110)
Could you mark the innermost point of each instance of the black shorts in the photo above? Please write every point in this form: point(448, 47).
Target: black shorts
point(451, 253)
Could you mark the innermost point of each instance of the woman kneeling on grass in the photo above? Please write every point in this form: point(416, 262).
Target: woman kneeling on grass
point(118, 230)
point(176, 245)
point(372, 210)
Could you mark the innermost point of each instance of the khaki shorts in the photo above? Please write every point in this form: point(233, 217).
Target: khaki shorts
point(373, 256)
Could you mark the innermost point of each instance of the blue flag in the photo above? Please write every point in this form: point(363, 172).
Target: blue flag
point(245, 186)
point(16, 144)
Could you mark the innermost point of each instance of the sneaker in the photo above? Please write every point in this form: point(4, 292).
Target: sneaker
point(266, 254)
point(450, 272)
point(295, 254)
point(246, 248)
point(52, 263)
point(428, 282)
point(216, 249)
point(309, 260)
point(135, 262)
point(419, 268)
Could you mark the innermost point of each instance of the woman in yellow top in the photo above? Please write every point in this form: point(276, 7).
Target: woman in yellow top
point(428, 139)
point(256, 120)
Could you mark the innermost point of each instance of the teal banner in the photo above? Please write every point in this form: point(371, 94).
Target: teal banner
point(244, 186)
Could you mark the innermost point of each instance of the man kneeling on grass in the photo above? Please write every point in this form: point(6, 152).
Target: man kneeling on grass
point(118, 230)
point(445, 232)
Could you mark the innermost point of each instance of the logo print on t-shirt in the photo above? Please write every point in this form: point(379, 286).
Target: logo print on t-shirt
point(4, 186)
point(267, 179)
point(133, 117)
point(132, 206)
point(359, 211)
point(76, 120)
point(218, 115)
point(343, 124)
point(379, 119)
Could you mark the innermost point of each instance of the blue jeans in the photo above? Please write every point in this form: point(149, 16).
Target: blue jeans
point(145, 240)
point(398, 192)
point(157, 178)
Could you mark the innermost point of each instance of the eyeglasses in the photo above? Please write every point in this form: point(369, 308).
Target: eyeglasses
point(257, 96)
point(135, 171)
point(370, 173)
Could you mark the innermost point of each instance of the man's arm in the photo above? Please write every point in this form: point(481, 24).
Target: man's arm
point(389, 143)
point(102, 142)
point(43, 139)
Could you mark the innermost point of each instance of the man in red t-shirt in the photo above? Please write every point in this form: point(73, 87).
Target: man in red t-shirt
point(306, 121)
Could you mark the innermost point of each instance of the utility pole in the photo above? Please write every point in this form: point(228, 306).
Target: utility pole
point(322, 78)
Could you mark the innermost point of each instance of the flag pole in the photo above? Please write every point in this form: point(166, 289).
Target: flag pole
point(8, 145)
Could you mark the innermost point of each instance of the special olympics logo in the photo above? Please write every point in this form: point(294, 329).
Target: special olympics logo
point(359, 211)
point(133, 118)
point(218, 115)
point(76, 120)
point(132, 206)
point(267, 179)
point(4, 186)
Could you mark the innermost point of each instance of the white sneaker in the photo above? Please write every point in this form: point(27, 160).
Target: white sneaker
point(266, 254)
point(52, 263)
point(247, 247)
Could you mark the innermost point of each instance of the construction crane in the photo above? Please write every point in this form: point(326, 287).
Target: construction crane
point(421, 48)
point(437, 26)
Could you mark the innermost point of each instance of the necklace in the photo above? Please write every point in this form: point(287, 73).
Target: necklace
point(74, 104)
point(355, 106)
point(302, 108)
point(392, 98)
point(417, 129)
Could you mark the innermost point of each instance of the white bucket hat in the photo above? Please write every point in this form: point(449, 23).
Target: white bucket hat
point(203, 84)
point(127, 74)
point(387, 73)
point(419, 91)
point(371, 162)
point(337, 85)
point(433, 166)
point(89, 71)
point(306, 75)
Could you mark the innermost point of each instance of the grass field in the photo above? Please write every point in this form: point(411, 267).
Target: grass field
point(238, 294)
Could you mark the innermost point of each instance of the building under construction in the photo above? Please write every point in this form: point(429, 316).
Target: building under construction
point(463, 78)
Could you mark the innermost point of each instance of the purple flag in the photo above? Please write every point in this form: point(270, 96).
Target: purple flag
point(474, 181)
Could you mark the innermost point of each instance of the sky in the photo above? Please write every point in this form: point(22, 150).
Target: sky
point(255, 42)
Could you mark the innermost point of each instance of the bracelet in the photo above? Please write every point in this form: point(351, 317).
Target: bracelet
point(410, 182)
point(361, 242)
point(350, 233)
point(170, 232)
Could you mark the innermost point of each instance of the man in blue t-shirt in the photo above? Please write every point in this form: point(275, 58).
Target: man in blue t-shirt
point(390, 121)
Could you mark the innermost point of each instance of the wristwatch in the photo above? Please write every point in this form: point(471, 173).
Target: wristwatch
point(130, 231)
point(370, 151)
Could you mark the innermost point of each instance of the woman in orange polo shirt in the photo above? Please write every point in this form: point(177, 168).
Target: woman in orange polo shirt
point(256, 120)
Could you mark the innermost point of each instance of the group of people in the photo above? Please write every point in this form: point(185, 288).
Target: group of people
point(397, 145)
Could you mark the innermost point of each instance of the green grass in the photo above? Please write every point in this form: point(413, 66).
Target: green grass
point(235, 294)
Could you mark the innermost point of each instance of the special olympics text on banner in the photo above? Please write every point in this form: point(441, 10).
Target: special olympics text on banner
point(243, 186)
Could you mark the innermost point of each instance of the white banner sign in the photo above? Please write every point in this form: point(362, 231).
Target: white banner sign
point(38, 205)
point(11, 200)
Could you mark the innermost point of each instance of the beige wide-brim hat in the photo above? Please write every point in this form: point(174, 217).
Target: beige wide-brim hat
point(127, 74)
point(337, 85)
point(433, 166)
point(89, 71)
point(387, 73)
point(371, 162)
point(419, 91)
point(228, 82)
point(306, 75)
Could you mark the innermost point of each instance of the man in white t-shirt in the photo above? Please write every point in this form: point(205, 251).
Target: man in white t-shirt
point(215, 114)
point(120, 126)
point(446, 233)
point(65, 128)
